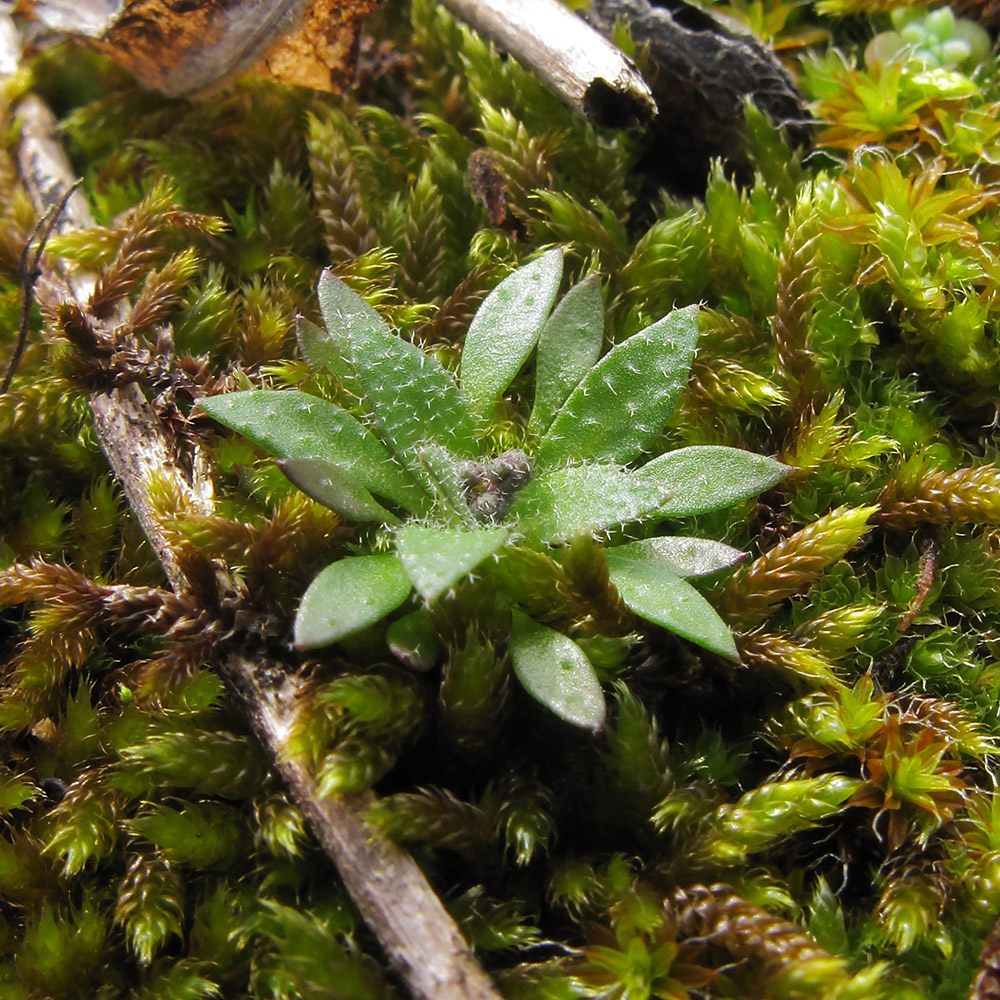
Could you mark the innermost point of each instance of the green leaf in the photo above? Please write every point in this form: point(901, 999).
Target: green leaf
point(505, 329)
point(569, 346)
point(411, 395)
point(335, 487)
point(437, 558)
point(556, 672)
point(623, 403)
point(771, 812)
point(213, 763)
point(413, 641)
point(293, 424)
point(319, 350)
point(709, 477)
point(826, 922)
point(683, 556)
point(659, 596)
point(349, 595)
point(562, 503)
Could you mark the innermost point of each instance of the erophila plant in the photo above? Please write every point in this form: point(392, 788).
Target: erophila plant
point(414, 456)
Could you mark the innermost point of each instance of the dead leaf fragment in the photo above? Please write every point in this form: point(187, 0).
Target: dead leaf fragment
point(488, 185)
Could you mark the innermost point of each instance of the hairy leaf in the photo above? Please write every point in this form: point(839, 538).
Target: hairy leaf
point(506, 328)
point(413, 641)
point(440, 471)
point(412, 396)
point(435, 559)
point(683, 556)
point(320, 351)
point(625, 400)
point(569, 346)
point(566, 502)
point(293, 424)
point(709, 477)
point(348, 595)
point(659, 596)
point(336, 488)
point(556, 672)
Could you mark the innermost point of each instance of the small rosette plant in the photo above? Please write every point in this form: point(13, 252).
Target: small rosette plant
point(932, 40)
point(413, 458)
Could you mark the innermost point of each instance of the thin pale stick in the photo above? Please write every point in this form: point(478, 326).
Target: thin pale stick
point(567, 54)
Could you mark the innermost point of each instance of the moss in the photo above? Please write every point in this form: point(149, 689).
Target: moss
point(816, 821)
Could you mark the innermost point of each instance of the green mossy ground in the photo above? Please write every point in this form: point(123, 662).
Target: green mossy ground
point(819, 821)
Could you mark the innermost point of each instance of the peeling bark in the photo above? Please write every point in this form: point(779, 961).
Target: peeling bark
point(198, 46)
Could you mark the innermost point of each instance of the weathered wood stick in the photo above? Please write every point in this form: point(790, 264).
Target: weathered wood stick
point(568, 55)
point(420, 939)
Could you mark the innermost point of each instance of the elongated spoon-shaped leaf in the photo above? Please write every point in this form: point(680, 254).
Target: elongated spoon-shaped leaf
point(709, 477)
point(656, 594)
point(623, 403)
point(561, 503)
point(335, 487)
point(349, 595)
point(293, 424)
point(682, 555)
point(556, 672)
point(435, 559)
point(412, 396)
point(569, 346)
point(505, 329)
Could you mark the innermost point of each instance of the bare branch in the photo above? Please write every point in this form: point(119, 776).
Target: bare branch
point(573, 59)
point(128, 431)
point(420, 938)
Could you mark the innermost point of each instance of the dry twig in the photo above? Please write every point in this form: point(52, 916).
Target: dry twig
point(567, 54)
